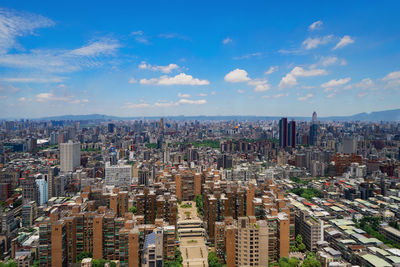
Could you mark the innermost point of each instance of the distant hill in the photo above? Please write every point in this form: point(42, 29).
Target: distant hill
point(386, 115)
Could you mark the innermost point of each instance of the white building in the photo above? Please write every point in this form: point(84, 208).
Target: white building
point(118, 175)
point(70, 156)
point(43, 191)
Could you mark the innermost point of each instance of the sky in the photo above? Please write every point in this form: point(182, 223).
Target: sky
point(160, 58)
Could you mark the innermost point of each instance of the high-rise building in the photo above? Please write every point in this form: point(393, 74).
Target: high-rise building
point(251, 239)
point(314, 117)
point(309, 228)
point(283, 132)
point(153, 249)
point(314, 130)
point(118, 175)
point(29, 189)
point(291, 134)
point(70, 156)
point(224, 161)
point(43, 191)
point(111, 127)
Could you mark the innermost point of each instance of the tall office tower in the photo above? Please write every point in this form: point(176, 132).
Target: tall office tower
point(314, 117)
point(43, 191)
point(118, 175)
point(292, 134)
point(70, 156)
point(29, 190)
point(314, 130)
point(224, 161)
point(111, 127)
point(349, 144)
point(251, 239)
point(283, 133)
point(161, 126)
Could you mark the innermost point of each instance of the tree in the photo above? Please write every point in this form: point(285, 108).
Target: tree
point(199, 204)
point(133, 209)
point(83, 255)
point(299, 243)
point(311, 261)
point(213, 260)
point(9, 263)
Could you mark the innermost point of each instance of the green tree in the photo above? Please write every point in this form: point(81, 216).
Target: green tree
point(83, 255)
point(9, 263)
point(311, 261)
point(199, 204)
point(133, 209)
point(213, 260)
point(299, 243)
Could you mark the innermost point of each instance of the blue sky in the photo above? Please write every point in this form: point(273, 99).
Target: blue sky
point(198, 57)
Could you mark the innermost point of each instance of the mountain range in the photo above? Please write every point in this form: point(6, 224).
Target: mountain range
point(386, 115)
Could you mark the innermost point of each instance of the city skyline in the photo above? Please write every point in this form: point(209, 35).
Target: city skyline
point(168, 59)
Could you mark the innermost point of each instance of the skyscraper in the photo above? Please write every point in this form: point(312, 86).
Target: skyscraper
point(43, 191)
point(314, 130)
point(70, 156)
point(283, 133)
point(291, 134)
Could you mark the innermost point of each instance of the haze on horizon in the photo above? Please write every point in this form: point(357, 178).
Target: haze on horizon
point(206, 58)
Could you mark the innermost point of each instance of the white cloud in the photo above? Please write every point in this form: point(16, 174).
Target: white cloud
point(260, 85)
point(9, 89)
point(290, 79)
point(306, 97)
point(139, 37)
point(139, 32)
point(300, 72)
point(311, 43)
point(247, 56)
point(130, 105)
point(237, 76)
point(132, 80)
point(361, 95)
point(364, 84)
point(46, 97)
point(265, 96)
point(164, 104)
point(213, 93)
point(335, 83)
point(172, 36)
point(227, 40)
point(22, 99)
point(392, 76)
point(202, 94)
point(315, 25)
point(62, 60)
point(14, 24)
point(183, 95)
point(240, 91)
point(331, 95)
point(346, 40)
point(3, 97)
point(192, 102)
point(32, 79)
point(281, 95)
point(327, 61)
point(164, 69)
point(180, 79)
point(271, 70)
point(101, 47)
